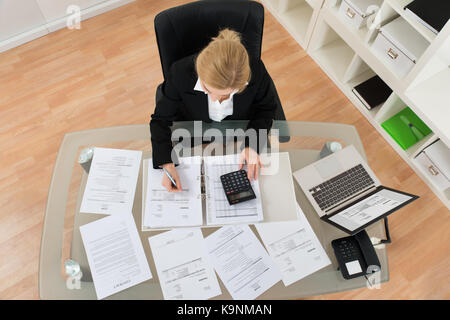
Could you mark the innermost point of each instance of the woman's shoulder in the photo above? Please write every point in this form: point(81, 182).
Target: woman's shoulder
point(184, 65)
point(258, 69)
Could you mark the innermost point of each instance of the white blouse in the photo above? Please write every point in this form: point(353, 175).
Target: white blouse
point(217, 110)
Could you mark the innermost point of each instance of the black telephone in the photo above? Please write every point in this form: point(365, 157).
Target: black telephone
point(356, 255)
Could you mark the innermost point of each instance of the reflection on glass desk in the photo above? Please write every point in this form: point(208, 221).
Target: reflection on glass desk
point(61, 238)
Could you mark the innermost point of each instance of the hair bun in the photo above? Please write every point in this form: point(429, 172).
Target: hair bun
point(227, 34)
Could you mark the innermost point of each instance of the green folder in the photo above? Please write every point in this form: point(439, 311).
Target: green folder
point(406, 128)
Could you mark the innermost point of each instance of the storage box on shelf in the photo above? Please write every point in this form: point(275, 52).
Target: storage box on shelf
point(357, 12)
point(398, 5)
point(359, 40)
point(399, 46)
point(297, 17)
point(434, 160)
point(436, 186)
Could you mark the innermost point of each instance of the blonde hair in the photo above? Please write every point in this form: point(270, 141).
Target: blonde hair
point(224, 62)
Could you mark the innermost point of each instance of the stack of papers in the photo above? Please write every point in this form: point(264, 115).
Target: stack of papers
point(112, 244)
point(184, 259)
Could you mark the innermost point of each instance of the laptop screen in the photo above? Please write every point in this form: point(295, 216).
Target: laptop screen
point(370, 208)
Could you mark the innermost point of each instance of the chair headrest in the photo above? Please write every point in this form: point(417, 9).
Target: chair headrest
point(185, 30)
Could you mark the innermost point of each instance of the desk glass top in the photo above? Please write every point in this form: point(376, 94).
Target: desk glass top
point(61, 238)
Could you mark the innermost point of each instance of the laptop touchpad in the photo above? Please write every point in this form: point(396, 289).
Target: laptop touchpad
point(329, 167)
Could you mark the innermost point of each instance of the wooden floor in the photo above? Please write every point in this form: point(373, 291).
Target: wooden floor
point(106, 74)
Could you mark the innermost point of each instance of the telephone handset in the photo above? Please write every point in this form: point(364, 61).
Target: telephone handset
point(356, 255)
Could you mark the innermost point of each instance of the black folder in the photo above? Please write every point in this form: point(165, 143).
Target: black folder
point(434, 14)
point(372, 92)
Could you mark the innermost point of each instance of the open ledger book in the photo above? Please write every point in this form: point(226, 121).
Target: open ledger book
point(202, 194)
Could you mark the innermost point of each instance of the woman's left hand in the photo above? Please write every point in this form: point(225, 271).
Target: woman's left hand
point(251, 157)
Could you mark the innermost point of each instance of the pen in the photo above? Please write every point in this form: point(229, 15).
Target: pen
point(170, 177)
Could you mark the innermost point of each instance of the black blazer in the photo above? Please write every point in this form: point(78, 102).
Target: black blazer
point(180, 102)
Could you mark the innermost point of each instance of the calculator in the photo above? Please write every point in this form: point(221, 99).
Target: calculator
point(237, 187)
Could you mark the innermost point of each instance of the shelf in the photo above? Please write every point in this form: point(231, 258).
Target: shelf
point(431, 102)
point(296, 20)
point(331, 52)
point(356, 40)
point(415, 149)
point(360, 33)
point(398, 6)
point(298, 17)
point(334, 58)
point(272, 5)
point(313, 3)
point(354, 82)
point(444, 195)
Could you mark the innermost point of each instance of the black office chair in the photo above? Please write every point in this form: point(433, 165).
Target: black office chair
point(185, 30)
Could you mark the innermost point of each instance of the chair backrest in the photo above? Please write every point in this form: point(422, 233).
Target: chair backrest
point(186, 29)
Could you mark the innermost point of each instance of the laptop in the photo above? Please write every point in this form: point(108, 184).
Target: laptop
point(345, 192)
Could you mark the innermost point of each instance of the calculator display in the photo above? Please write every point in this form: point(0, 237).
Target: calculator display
point(240, 195)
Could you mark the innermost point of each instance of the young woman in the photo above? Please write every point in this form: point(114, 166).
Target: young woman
point(220, 83)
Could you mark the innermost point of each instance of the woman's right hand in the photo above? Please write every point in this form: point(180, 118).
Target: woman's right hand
point(170, 167)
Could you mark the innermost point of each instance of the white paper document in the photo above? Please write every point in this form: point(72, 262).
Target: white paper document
point(218, 210)
point(183, 265)
point(174, 209)
point(294, 247)
point(241, 262)
point(369, 209)
point(111, 183)
point(115, 254)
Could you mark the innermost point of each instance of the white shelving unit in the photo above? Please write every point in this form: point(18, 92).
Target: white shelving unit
point(398, 6)
point(346, 56)
point(296, 16)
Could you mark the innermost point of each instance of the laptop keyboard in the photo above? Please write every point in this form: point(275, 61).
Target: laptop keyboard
point(344, 185)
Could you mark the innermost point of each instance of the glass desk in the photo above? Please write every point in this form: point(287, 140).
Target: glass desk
point(61, 238)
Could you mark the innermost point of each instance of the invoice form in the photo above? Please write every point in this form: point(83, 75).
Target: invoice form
point(218, 210)
point(174, 209)
point(111, 183)
point(241, 262)
point(183, 265)
point(115, 254)
point(368, 209)
point(294, 247)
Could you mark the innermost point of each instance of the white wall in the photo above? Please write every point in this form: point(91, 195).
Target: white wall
point(19, 16)
point(56, 9)
point(24, 20)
